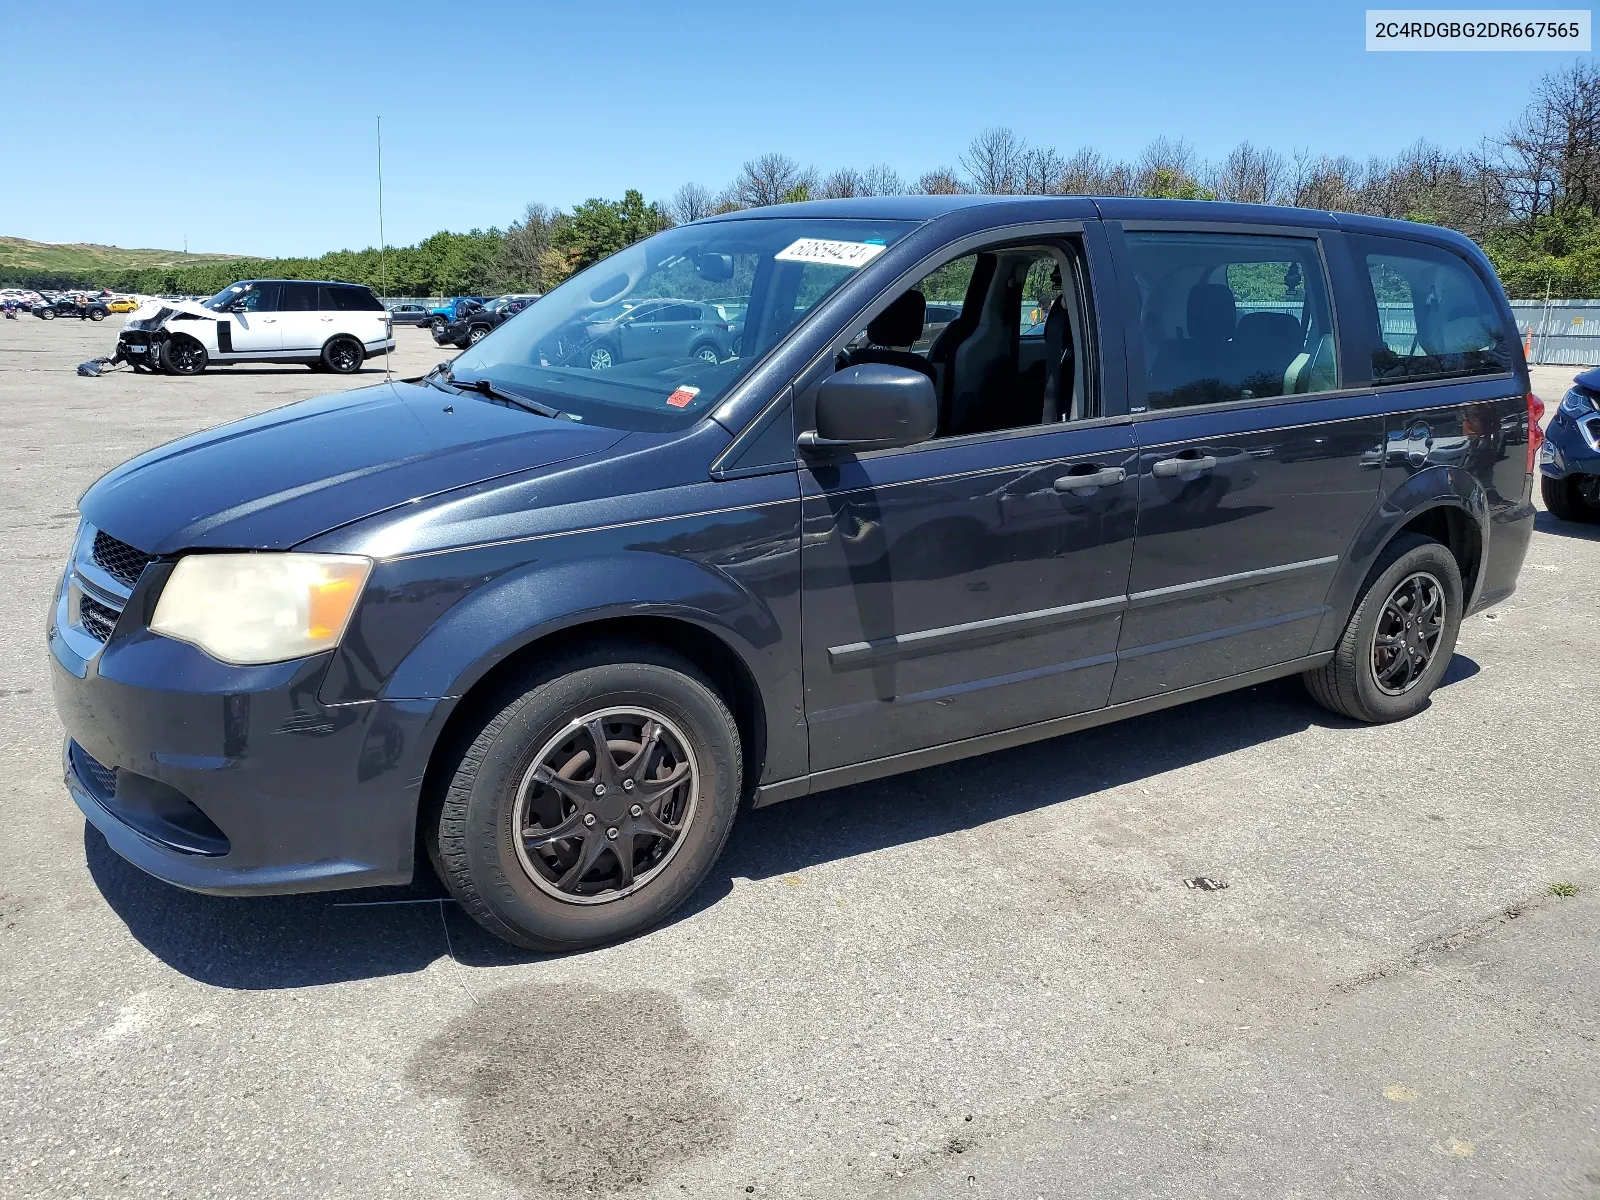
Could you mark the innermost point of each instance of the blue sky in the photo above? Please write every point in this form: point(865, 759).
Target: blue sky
point(249, 125)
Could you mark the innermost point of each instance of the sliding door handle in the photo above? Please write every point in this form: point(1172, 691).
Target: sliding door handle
point(1087, 482)
point(1169, 468)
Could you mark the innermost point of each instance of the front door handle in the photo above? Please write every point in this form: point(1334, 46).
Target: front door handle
point(1169, 468)
point(1082, 485)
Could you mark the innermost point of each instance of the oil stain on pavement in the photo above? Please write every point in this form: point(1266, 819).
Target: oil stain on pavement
point(569, 1090)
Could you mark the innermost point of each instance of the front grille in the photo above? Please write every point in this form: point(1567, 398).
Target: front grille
point(118, 559)
point(100, 780)
point(98, 620)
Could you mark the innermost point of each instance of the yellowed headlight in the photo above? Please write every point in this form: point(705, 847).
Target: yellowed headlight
point(261, 608)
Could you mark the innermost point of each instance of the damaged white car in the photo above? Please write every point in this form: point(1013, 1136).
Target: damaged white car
point(325, 326)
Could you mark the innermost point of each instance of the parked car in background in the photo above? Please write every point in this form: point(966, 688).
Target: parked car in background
point(122, 304)
point(452, 310)
point(652, 328)
point(478, 323)
point(326, 326)
point(72, 306)
point(1569, 462)
point(409, 313)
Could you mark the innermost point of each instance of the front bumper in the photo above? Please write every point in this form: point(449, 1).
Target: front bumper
point(235, 780)
point(1571, 445)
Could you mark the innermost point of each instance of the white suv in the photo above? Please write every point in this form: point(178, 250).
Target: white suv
point(326, 326)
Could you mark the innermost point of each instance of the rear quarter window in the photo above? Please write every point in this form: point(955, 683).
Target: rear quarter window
point(1436, 318)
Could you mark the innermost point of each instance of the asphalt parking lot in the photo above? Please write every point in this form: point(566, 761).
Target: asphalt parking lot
point(985, 980)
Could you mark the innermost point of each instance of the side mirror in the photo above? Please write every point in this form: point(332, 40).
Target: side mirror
point(873, 406)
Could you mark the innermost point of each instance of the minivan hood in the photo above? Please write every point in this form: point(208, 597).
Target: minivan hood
point(271, 481)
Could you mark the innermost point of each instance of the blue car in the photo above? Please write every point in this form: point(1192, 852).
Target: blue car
point(1569, 463)
point(555, 628)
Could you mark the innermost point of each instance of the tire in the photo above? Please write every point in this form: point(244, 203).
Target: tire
point(1366, 681)
point(47, 314)
point(476, 334)
point(97, 314)
point(706, 352)
point(527, 894)
point(1564, 498)
point(343, 355)
point(436, 326)
point(602, 357)
point(182, 355)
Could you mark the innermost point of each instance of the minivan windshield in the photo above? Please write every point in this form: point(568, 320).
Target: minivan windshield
point(651, 337)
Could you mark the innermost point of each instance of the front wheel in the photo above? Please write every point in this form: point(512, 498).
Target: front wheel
point(437, 325)
point(1399, 639)
point(1572, 497)
point(593, 802)
point(476, 334)
point(97, 314)
point(182, 355)
point(47, 314)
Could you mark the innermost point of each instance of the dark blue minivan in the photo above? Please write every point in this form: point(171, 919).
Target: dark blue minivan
point(978, 471)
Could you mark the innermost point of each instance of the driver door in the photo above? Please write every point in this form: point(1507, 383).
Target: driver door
point(255, 324)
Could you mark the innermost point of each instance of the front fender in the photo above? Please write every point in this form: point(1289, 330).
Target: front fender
point(1432, 487)
point(536, 600)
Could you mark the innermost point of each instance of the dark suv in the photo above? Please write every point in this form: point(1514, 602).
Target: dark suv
point(480, 322)
point(555, 625)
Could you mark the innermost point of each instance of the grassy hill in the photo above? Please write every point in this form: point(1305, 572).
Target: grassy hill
point(82, 258)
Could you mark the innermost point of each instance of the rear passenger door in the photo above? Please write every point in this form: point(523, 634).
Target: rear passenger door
point(1254, 469)
point(301, 329)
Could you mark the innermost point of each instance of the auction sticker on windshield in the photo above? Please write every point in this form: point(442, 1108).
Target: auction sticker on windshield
point(683, 397)
point(829, 253)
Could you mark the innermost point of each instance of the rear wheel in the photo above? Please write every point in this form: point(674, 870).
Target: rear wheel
point(602, 357)
point(343, 355)
point(706, 352)
point(593, 802)
point(1572, 497)
point(182, 355)
point(1399, 639)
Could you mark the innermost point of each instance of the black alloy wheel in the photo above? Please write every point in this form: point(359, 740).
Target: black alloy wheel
point(1407, 634)
point(589, 800)
point(1400, 637)
point(602, 809)
point(343, 356)
point(182, 355)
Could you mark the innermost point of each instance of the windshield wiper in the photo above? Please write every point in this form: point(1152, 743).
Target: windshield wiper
point(488, 390)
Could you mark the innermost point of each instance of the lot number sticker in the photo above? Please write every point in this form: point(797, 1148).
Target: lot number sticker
point(830, 254)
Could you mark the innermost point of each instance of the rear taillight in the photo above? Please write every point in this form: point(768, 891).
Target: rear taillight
point(1535, 430)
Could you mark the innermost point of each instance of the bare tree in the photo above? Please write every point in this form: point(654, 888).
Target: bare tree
point(843, 183)
point(1042, 171)
point(772, 179)
point(1322, 181)
point(993, 162)
point(1553, 148)
point(941, 181)
point(526, 255)
point(882, 180)
point(1164, 165)
point(1249, 176)
point(690, 203)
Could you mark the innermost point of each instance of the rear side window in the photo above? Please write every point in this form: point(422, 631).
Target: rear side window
point(348, 298)
point(1229, 317)
point(298, 297)
point(1436, 318)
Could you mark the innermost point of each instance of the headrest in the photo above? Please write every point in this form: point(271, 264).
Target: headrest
point(1211, 312)
point(901, 323)
point(1277, 331)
